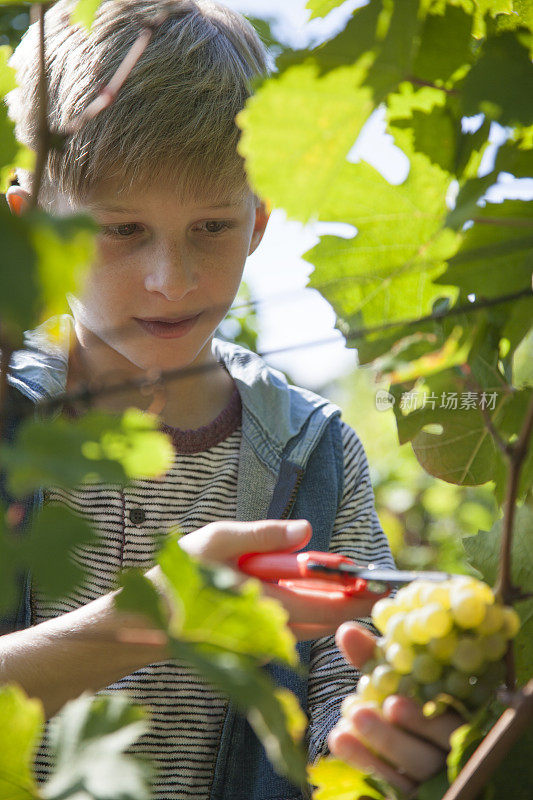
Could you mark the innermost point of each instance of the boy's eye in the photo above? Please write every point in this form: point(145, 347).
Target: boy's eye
point(123, 231)
point(214, 226)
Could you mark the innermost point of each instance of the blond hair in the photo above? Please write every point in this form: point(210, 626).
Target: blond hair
point(174, 118)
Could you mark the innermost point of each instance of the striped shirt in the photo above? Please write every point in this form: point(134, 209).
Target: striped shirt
point(186, 715)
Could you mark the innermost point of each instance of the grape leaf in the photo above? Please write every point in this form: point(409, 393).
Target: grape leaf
point(463, 742)
point(21, 721)
point(483, 551)
point(424, 125)
point(399, 247)
point(495, 254)
point(141, 596)
point(19, 291)
point(446, 47)
point(97, 446)
point(509, 423)
point(462, 453)
point(337, 780)
point(500, 83)
point(55, 533)
point(88, 740)
point(320, 8)
point(253, 693)
point(242, 621)
point(8, 143)
point(65, 249)
point(309, 115)
point(84, 12)
point(11, 560)
point(514, 776)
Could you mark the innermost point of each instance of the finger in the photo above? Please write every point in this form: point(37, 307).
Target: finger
point(356, 643)
point(417, 758)
point(327, 610)
point(226, 541)
point(345, 745)
point(407, 714)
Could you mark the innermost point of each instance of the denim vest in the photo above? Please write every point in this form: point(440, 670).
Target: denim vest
point(290, 465)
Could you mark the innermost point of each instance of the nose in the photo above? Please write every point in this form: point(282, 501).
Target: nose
point(171, 273)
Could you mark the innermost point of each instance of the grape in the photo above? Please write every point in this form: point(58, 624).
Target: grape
point(426, 669)
point(438, 638)
point(444, 647)
point(468, 608)
point(493, 621)
point(385, 680)
point(457, 684)
point(401, 658)
point(494, 646)
point(511, 622)
point(468, 656)
point(382, 612)
point(416, 628)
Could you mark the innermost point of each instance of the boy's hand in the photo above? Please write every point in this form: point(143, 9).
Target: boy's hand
point(310, 616)
point(399, 744)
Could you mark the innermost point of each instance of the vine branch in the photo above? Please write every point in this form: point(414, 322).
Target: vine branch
point(88, 393)
point(43, 141)
point(494, 747)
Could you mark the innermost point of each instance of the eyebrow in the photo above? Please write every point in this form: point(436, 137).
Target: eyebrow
point(102, 206)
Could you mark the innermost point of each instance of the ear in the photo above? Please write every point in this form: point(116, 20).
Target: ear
point(18, 200)
point(262, 215)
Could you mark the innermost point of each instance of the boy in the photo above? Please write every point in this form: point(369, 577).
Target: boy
point(159, 172)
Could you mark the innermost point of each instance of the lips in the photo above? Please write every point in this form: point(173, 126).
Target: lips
point(167, 327)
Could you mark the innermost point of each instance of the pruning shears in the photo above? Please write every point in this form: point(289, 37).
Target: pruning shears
point(322, 573)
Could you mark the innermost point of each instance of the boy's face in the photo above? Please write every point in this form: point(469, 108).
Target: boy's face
point(160, 260)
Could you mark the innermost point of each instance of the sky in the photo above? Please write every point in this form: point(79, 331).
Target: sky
point(289, 313)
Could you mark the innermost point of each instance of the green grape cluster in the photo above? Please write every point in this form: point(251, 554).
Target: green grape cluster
point(438, 638)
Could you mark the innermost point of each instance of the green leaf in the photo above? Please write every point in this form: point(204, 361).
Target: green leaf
point(514, 776)
point(253, 693)
point(84, 12)
point(96, 447)
point(12, 559)
point(466, 204)
point(140, 595)
point(336, 780)
point(510, 422)
point(483, 553)
point(88, 740)
point(19, 291)
point(495, 254)
point(320, 8)
point(21, 722)
point(422, 122)
point(515, 158)
point(446, 46)
point(65, 249)
point(240, 620)
point(301, 124)
point(462, 452)
point(55, 534)
point(464, 740)
point(8, 143)
point(500, 83)
point(390, 265)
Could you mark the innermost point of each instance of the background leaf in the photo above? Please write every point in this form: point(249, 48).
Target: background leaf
point(483, 550)
point(21, 721)
point(89, 739)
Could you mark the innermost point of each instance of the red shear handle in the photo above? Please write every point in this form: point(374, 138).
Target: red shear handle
point(289, 567)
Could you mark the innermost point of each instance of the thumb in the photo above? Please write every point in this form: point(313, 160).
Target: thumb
point(226, 541)
point(356, 643)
